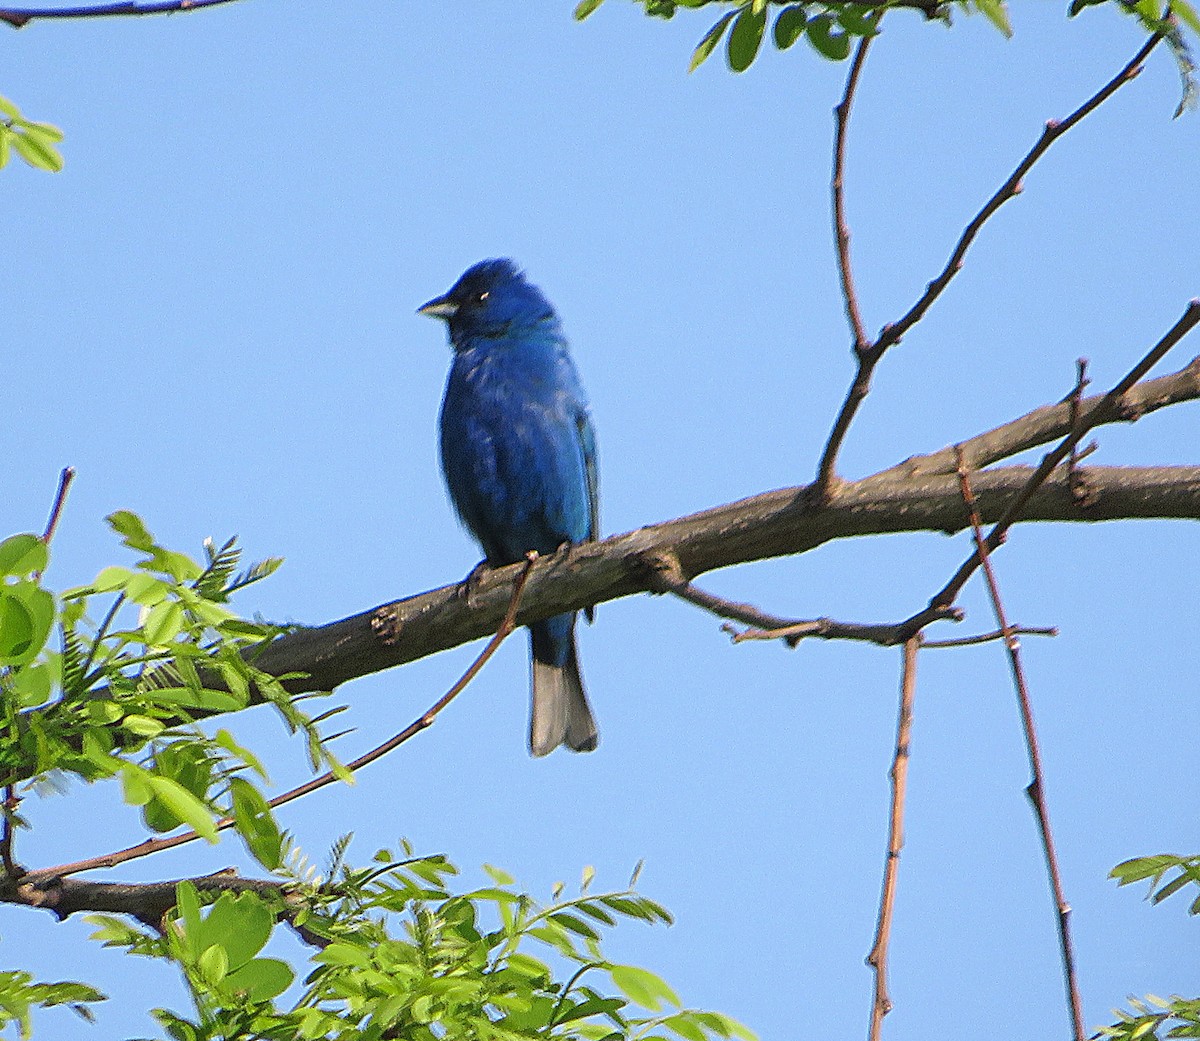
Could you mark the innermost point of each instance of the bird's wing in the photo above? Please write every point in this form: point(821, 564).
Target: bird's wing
point(587, 443)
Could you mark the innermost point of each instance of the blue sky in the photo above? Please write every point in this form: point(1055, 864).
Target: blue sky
point(210, 314)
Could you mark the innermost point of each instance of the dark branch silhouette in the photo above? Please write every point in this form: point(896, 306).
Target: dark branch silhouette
point(21, 16)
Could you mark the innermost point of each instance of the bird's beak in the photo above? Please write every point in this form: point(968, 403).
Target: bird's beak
point(439, 307)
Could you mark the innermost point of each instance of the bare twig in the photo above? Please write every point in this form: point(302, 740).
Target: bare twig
point(11, 799)
point(20, 16)
point(143, 849)
point(145, 901)
point(868, 354)
point(64, 484)
point(1109, 404)
point(1036, 789)
point(841, 225)
point(1053, 130)
point(881, 1005)
point(1047, 423)
point(992, 637)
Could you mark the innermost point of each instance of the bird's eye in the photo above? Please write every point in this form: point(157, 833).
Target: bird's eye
point(482, 297)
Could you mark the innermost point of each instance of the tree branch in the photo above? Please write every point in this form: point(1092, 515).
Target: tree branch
point(145, 901)
point(868, 354)
point(18, 17)
point(1053, 130)
point(1051, 422)
point(881, 1004)
point(773, 524)
point(1036, 789)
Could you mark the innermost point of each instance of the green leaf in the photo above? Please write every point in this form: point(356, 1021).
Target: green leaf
point(38, 152)
point(9, 109)
point(46, 131)
point(826, 41)
point(5, 145)
point(142, 726)
point(239, 924)
point(256, 823)
point(575, 925)
point(213, 964)
point(183, 806)
point(1186, 13)
point(188, 902)
point(26, 618)
point(789, 26)
point(23, 555)
point(111, 579)
point(501, 878)
point(163, 623)
point(711, 38)
point(135, 785)
point(585, 8)
point(996, 12)
point(225, 739)
point(261, 979)
point(131, 529)
point(642, 987)
point(745, 38)
point(31, 685)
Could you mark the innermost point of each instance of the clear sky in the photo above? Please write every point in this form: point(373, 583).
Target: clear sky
point(210, 314)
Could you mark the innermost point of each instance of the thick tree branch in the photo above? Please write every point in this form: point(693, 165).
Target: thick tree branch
point(773, 524)
point(145, 901)
point(1051, 422)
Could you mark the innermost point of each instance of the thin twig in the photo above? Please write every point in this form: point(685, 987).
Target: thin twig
point(840, 224)
point(64, 484)
point(881, 1005)
point(869, 354)
point(11, 799)
point(422, 722)
point(866, 354)
point(1074, 478)
point(1053, 130)
point(992, 637)
point(1036, 789)
point(949, 592)
point(11, 802)
point(20, 16)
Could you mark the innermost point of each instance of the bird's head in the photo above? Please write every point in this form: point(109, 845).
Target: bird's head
point(490, 299)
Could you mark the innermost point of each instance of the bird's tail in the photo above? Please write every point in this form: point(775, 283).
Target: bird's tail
point(561, 714)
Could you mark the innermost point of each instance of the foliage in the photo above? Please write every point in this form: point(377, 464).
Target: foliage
point(1153, 1018)
point(34, 142)
point(399, 954)
point(19, 994)
point(832, 26)
point(120, 697)
point(1183, 871)
point(403, 956)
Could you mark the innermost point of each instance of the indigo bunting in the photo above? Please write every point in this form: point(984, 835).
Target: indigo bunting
point(519, 458)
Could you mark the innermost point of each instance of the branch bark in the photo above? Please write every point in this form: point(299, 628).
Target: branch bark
point(773, 524)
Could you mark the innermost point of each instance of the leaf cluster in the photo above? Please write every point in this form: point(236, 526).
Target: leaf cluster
point(120, 697)
point(19, 994)
point(403, 956)
point(36, 143)
point(832, 26)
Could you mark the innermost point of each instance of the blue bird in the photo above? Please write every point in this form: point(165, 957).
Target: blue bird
point(519, 458)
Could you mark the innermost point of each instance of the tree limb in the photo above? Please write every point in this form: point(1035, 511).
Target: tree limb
point(18, 17)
